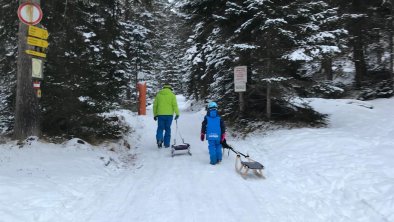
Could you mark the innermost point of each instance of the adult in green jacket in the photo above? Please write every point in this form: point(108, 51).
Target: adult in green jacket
point(164, 107)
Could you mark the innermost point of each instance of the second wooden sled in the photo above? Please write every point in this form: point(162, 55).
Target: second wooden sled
point(243, 167)
point(180, 148)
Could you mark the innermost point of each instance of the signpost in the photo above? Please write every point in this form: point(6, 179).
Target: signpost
point(240, 79)
point(30, 13)
point(40, 36)
point(37, 68)
point(37, 88)
point(240, 74)
point(39, 93)
point(27, 109)
point(239, 87)
point(37, 42)
point(34, 53)
point(36, 84)
point(38, 32)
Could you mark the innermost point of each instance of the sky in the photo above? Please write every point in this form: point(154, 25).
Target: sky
point(342, 172)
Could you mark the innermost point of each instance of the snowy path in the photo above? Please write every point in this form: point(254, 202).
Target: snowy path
point(313, 175)
point(183, 188)
point(344, 172)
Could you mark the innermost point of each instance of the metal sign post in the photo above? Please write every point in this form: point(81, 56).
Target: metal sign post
point(240, 79)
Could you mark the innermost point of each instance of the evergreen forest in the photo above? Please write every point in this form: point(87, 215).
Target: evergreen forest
point(292, 49)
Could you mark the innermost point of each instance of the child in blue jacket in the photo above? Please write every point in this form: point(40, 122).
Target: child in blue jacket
point(214, 129)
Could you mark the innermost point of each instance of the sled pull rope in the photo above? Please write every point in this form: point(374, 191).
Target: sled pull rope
point(226, 146)
point(176, 133)
point(237, 152)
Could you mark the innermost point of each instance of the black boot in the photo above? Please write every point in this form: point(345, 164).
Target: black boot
point(159, 144)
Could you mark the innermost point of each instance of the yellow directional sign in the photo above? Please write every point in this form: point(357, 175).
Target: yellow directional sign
point(37, 42)
point(38, 32)
point(39, 54)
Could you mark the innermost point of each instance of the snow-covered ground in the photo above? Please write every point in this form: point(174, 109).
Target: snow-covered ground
point(344, 172)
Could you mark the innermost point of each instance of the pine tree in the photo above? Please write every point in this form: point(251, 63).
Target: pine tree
point(89, 66)
point(8, 52)
point(361, 22)
point(262, 35)
point(170, 47)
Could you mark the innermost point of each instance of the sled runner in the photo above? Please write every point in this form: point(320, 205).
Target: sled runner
point(181, 148)
point(243, 167)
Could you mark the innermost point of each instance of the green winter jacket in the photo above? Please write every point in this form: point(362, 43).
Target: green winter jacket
point(165, 103)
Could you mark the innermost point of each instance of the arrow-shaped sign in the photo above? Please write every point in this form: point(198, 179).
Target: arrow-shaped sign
point(39, 54)
point(38, 32)
point(37, 42)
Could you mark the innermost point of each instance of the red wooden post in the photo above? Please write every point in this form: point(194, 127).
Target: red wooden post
point(142, 98)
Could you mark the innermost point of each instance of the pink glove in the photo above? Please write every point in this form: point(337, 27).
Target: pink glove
point(202, 136)
point(223, 137)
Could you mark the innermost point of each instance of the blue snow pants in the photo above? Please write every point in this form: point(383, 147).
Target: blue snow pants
point(164, 124)
point(215, 151)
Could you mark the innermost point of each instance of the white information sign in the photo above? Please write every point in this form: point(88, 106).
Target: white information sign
point(240, 78)
point(240, 87)
point(240, 74)
point(37, 68)
point(140, 75)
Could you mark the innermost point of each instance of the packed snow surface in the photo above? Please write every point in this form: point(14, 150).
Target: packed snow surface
point(344, 172)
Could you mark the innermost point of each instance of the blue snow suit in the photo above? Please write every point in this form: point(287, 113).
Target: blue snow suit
point(164, 124)
point(213, 127)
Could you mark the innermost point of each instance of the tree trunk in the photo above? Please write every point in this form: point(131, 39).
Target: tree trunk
point(358, 54)
point(357, 44)
point(270, 73)
point(327, 68)
point(391, 47)
point(391, 35)
point(268, 100)
point(379, 49)
point(127, 8)
point(27, 111)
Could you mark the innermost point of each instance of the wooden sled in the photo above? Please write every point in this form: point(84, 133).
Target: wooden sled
point(243, 167)
point(180, 148)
